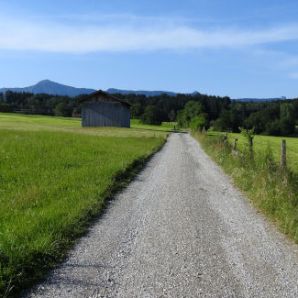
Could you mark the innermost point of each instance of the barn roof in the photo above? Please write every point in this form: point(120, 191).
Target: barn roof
point(103, 96)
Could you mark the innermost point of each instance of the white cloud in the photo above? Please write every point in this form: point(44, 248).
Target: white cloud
point(84, 38)
point(293, 75)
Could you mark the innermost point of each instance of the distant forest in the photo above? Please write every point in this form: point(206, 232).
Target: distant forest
point(197, 111)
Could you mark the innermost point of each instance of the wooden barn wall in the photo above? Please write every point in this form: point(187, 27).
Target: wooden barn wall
point(105, 114)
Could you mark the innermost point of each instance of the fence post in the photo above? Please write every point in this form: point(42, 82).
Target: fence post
point(283, 156)
point(225, 139)
point(235, 144)
point(251, 146)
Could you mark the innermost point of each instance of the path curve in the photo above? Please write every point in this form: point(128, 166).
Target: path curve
point(180, 229)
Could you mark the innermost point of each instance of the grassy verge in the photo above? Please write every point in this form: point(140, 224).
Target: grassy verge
point(261, 143)
point(272, 190)
point(52, 183)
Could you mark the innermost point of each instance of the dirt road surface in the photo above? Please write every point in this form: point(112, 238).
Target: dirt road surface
point(179, 230)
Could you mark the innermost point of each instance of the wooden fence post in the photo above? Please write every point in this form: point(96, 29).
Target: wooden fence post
point(283, 156)
point(225, 139)
point(251, 146)
point(235, 144)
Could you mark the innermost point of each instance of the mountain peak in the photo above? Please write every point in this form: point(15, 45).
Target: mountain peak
point(52, 88)
point(46, 81)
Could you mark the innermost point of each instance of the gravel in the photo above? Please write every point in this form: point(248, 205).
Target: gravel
point(180, 229)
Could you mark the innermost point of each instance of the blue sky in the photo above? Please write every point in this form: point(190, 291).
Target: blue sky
point(237, 48)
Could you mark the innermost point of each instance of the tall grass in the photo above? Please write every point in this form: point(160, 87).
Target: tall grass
point(261, 143)
point(271, 189)
point(51, 183)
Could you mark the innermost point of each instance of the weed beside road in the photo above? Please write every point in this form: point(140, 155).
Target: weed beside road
point(262, 143)
point(271, 189)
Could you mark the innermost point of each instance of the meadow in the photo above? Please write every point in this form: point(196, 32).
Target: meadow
point(54, 177)
point(60, 124)
point(265, 143)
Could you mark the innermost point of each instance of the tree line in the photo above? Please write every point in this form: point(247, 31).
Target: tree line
point(151, 110)
point(42, 104)
point(277, 118)
point(196, 111)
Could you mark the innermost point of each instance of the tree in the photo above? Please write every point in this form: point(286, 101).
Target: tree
point(287, 119)
point(198, 122)
point(223, 123)
point(136, 110)
point(151, 115)
point(63, 109)
point(4, 107)
point(256, 120)
point(191, 110)
point(273, 128)
point(172, 115)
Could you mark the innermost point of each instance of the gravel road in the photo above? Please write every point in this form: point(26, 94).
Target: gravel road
point(180, 229)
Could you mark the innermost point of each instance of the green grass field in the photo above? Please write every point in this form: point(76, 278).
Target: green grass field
point(54, 176)
point(165, 126)
point(47, 123)
point(262, 143)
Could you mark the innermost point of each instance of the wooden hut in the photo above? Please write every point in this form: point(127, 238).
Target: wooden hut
point(103, 109)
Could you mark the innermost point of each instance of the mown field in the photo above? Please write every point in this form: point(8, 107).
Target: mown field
point(54, 177)
point(263, 143)
point(42, 123)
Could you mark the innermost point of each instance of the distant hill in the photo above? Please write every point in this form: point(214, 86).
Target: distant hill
point(140, 92)
point(53, 88)
point(260, 99)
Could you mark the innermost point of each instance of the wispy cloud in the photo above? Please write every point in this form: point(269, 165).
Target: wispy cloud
point(290, 61)
point(293, 75)
point(135, 36)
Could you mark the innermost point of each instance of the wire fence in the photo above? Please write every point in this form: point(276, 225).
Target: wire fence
point(284, 154)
